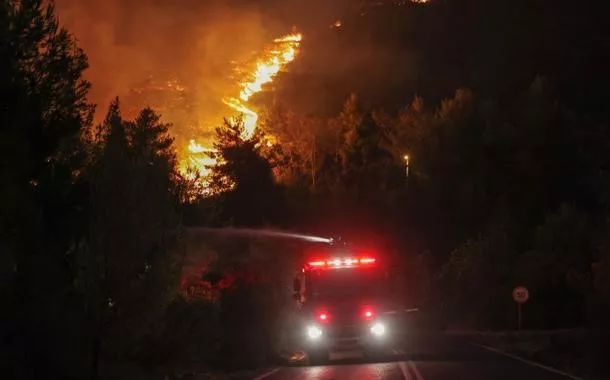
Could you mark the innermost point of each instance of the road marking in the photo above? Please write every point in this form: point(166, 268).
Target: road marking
point(550, 369)
point(418, 374)
point(267, 374)
point(404, 370)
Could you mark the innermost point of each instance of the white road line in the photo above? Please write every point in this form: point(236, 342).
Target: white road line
point(404, 370)
point(418, 374)
point(550, 369)
point(267, 374)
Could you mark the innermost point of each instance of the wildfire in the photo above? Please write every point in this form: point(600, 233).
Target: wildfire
point(199, 158)
point(283, 51)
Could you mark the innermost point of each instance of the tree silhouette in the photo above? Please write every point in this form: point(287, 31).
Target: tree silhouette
point(150, 137)
point(250, 195)
point(129, 262)
point(43, 198)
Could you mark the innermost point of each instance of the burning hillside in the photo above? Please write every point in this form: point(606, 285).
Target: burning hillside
point(282, 52)
point(177, 103)
point(265, 68)
point(193, 62)
point(196, 62)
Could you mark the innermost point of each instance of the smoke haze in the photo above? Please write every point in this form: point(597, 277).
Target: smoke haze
point(181, 56)
point(136, 46)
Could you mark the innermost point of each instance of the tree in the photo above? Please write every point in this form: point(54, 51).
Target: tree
point(475, 276)
point(150, 137)
point(299, 138)
point(558, 268)
point(129, 263)
point(405, 132)
point(347, 126)
point(44, 109)
point(367, 167)
point(243, 177)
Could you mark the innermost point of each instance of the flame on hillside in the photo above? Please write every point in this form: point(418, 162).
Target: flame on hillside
point(275, 58)
point(199, 157)
point(282, 52)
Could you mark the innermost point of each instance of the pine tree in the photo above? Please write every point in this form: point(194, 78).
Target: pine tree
point(245, 178)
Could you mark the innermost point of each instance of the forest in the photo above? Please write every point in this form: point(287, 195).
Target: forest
point(507, 183)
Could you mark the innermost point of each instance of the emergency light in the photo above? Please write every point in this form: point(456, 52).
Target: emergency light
point(367, 313)
point(323, 317)
point(350, 262)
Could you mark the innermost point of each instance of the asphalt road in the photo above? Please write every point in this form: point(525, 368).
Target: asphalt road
point(433, 358)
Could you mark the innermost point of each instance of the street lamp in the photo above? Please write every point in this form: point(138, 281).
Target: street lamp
point(406, 158)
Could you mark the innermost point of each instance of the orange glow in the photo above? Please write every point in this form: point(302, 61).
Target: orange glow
point(282, 52)
point(197, 156)
point(275, 58)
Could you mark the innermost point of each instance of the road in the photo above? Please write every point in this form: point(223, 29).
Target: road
point(434, 358)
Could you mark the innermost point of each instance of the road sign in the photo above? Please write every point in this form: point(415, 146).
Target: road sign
point(521, 294)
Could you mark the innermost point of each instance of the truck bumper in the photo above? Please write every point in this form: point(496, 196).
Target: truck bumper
point(347, 338)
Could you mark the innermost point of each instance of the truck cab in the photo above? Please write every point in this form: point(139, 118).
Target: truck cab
point(346, 304)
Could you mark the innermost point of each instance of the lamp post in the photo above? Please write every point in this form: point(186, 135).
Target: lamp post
point(406, 157)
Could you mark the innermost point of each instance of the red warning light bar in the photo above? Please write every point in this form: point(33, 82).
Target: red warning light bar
point(348, 262)
point(368, 313)
point(317, 263)
point(323, 317)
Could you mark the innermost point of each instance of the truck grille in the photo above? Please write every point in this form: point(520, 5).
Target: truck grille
point(346, 331)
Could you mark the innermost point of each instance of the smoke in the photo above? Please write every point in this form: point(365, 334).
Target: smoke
point(180, 56)
point(136, 46)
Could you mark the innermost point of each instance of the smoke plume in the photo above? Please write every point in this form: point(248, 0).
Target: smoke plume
point(176, 55)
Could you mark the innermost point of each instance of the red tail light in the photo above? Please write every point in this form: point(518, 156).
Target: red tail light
point(368, 313)
point(322, 315)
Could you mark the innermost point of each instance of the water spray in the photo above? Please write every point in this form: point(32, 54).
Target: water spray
point(336, 241)
point(268, 233)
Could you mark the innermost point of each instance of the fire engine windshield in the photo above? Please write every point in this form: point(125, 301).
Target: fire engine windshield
point(348, 283)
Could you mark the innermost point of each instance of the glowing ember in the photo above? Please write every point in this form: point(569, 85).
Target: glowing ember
point(275, 58)
point(197, 157)
point(195, 148)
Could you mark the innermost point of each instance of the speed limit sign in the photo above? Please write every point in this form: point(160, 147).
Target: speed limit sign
point(521, 294)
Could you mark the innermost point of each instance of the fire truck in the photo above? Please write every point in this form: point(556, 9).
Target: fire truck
point(346, 302)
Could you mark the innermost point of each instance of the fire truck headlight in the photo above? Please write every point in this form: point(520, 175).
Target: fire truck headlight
point(378, 329)
point(314, 332)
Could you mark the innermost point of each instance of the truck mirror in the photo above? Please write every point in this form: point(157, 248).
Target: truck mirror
point(296, 285)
